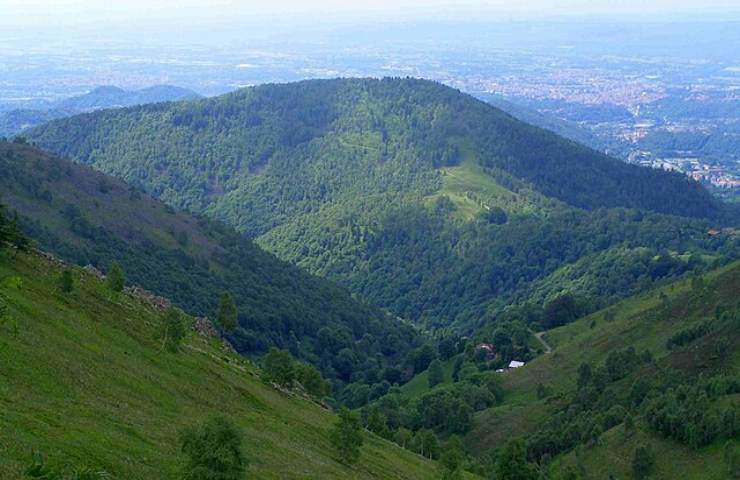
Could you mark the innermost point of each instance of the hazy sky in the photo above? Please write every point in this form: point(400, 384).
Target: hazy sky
point(120, 12)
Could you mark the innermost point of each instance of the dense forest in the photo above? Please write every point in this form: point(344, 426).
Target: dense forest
point(424, 200)
point(88, 218)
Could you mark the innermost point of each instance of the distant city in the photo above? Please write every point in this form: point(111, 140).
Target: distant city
point(673, 109)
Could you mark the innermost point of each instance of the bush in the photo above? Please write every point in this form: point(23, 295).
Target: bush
point(346, 436)
point(642, 461)
point(214, 451)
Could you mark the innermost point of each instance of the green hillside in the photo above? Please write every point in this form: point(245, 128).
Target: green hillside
point(690, 330)
point(86, 217)
point(85, 381)
point(428, 202)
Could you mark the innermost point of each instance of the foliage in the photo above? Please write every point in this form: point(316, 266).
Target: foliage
point(279, 304)
point(172, 329)
point(512, 463)
point(213, 450)
point(436, 374)
point(278, 367)
point(732, 459)
point(346, 436)
point(10, 231)
point(227, 313)
point(115, 277)
point(688, 335)
point(426, 444)
point(66, 281)
point(351, 179)
point(642, 461)
point(310, 378)
point(452, 458)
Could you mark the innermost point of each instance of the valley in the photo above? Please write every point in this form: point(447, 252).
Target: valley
point(325, 240)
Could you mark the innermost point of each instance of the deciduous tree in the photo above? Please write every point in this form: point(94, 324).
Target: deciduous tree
point(214, 451)
point(346, 436)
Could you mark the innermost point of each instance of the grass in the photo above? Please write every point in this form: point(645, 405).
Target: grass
point(85, 382)
point(644, 321)
point(419, 385)
point(613, 456)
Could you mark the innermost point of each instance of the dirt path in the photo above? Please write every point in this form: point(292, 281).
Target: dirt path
point(539, 336)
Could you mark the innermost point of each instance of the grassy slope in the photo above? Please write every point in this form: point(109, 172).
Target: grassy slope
point(85, 382)
point(644, 322)
point(472, 190)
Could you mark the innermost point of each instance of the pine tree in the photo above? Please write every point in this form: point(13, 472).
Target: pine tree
point(115, 277)
point(346, 436)
point(227, 314)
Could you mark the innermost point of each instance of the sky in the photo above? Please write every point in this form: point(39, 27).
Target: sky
point(103, 13)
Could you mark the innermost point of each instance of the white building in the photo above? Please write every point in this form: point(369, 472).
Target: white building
point(515, 364)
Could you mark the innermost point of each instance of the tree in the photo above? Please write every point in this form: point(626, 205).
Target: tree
point(311, 380)
point(14, 234)
point(377, 422)
point(172, 329)
point(452, 459)
point(560, 311)
point(66, 281)
point(732, 459)
point(642, 461)
point(512, 463)
point(629, 425)
point(115, 279)
point(213, 450)
point(422, 357)
point(278, 367)
point(436, 374)
point(227, 314)
point(447, 348)
point(346, 436)
point(427, 444)
point(403, 437)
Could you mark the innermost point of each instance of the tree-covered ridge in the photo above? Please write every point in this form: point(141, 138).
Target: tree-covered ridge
point(89, 218)
point(424, 200)
point(194, 152)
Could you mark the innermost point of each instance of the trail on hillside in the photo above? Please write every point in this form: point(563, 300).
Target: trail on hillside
point(538, 336)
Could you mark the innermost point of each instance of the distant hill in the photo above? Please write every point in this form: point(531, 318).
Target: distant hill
point(87, 217)
point(86, 383)
point(15, 121)
point(429, 202)
point(564, 128)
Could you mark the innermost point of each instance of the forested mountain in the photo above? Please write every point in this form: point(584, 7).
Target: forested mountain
point(94, 387)
point(15, 121)
point(89, 218)
point(427, 201)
